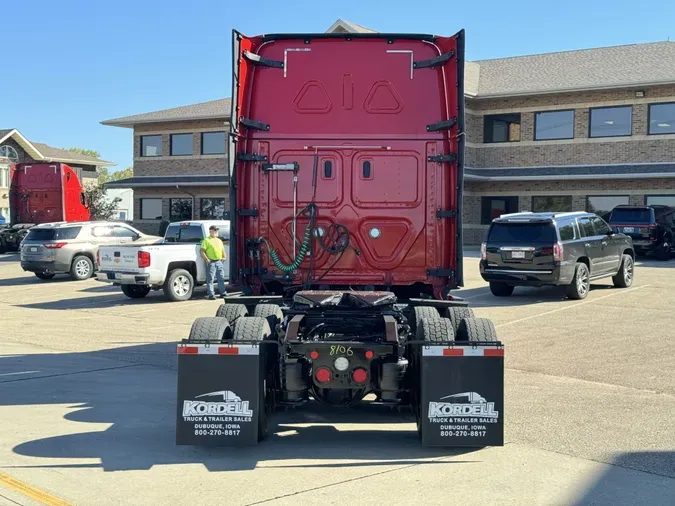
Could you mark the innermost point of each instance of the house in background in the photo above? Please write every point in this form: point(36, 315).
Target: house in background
point(125, 207)
point(575, 130)
point(15, 148)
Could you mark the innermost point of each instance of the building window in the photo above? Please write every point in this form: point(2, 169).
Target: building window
point(151, 145)
point(181, 144)
point(501, 128)
point(180, 209)
point(660, 200)
point(552, 204)
point(493, 207)
point(212, 209)
point(151, 209)
point(662, 119)
point(602, 205)
point(213, 143)
point(4, 177)
point(611, 121)
point(553, 125)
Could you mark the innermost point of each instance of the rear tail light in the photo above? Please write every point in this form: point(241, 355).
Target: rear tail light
point(143, 259)
point(557, 252)
point(323, 375)
point(55, 245)
point(483, 251)
point(359, 375)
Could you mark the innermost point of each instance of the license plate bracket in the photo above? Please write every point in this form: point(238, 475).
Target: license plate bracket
point(518, 254)
point(629, 230)
point(33, 249)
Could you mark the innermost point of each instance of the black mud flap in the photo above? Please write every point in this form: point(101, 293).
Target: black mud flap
point(219, 387)
point(462, 395)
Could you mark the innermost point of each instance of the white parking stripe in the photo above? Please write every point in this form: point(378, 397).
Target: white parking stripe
point(571, 306)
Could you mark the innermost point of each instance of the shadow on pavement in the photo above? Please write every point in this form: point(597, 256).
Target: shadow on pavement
point(140, 403)
point(9, 257)
point(621, 485)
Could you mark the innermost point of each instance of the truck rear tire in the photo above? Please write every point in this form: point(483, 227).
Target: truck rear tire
point(477, 330)
point(422, 312)
point(82, 268)
point(44, 275)
point(271, 312)
point(457, 314)
point(580, 286)
point(135, 291)
point(435, 330)
point(256, 328)
point(624, 278)
point(232, 312)
point(501, 289)
point(212, 330)
point(179, 285)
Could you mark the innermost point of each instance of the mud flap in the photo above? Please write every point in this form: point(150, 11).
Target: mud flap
point(219, 388)
point(462, 395)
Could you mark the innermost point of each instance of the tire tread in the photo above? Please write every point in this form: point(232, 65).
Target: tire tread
point(209, 329)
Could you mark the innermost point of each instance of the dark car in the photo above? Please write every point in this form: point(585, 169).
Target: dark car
point(561, 249)
point(652, 228)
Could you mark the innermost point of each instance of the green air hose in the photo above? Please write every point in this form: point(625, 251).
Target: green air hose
point(304, 247)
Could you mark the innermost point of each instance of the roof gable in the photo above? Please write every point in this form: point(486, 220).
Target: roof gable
point(39, 151)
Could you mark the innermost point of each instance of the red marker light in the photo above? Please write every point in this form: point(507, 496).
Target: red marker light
point(359, 375)
point(314, 355)
point(369, 354)
point(323, 375)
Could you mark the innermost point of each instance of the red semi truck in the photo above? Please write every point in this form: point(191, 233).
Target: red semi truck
point(41, 193)
point(346, 178)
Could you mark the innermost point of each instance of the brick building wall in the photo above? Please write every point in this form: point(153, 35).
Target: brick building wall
point(167, 165)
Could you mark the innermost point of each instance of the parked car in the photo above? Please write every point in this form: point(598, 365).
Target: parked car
point(55, 248)
point(652, 228)
point(174, 266)
point(560, 249)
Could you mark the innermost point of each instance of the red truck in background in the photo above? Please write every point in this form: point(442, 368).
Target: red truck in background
point(41, 193)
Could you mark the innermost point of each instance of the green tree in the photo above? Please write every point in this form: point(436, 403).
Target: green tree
point(86, 152)
point(100, 206)
point(106, 176)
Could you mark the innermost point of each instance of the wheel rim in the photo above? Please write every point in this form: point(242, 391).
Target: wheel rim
point(628, 270)
point(582, 281)
point(181, 286)
point(82, 268)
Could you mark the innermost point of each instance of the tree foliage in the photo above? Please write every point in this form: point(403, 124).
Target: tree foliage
point(106, 176)
point(86, 152)
point(100, 206)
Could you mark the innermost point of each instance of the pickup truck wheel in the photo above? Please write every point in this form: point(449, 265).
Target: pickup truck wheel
point(82, 268)
point(624, 278)
point(44, 275)
point(232, 312)
point(457, 314)
point(501, 289)
point(256, 328)
point(135, 291)
point(212, 330)
point(179, 285)
point(580, 286)
point(477, 330)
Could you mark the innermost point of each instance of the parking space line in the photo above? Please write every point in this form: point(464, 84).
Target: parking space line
point(570, 306)
point(31, 491)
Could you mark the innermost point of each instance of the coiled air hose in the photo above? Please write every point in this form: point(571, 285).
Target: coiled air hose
point(304, 248)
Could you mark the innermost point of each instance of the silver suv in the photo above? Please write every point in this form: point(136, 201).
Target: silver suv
point(55, 248)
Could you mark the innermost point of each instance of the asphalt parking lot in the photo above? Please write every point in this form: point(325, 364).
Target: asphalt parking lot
point(87, 395)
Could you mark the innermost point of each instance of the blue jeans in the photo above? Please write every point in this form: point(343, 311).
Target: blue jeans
point(215, 270)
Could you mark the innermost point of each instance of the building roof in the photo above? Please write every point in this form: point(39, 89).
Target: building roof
point(585, 69)
point(39, 151)
point(204, 110)
point(342, 26)
point(169, 181)
point(572, 172)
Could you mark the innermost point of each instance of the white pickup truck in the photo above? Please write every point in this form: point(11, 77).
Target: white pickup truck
point(174, 265)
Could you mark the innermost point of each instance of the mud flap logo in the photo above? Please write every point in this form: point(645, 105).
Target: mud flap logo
point(231, 405)
point(466, 404)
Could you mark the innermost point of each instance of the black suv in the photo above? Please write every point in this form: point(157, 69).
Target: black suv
point(652, 228)
point(562, 249)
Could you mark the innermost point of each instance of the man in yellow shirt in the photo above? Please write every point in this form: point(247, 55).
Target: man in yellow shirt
point(213, 253)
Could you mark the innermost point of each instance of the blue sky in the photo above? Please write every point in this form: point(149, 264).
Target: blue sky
point(69, 64)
